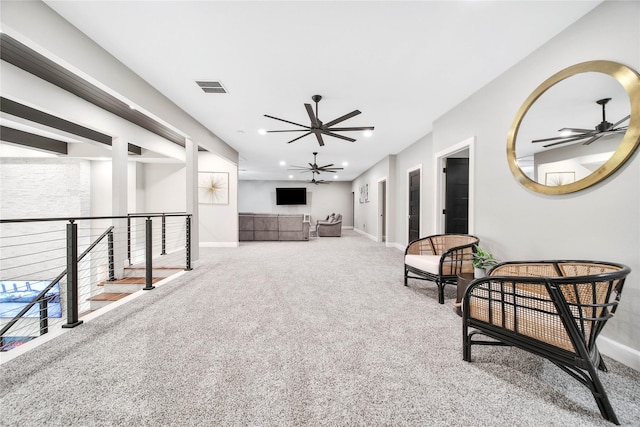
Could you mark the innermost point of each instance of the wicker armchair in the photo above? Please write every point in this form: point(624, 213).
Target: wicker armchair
point(440, 259)
point(554, 309)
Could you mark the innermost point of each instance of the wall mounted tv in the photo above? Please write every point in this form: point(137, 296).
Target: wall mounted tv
point(291, 196)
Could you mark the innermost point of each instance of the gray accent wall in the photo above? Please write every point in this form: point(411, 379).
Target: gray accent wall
point(599, 223)
point(322, 200)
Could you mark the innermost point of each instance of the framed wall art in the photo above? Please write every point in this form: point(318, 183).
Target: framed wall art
point(559, 178)
point(213, 188)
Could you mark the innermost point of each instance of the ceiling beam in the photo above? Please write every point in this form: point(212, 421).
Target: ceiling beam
point(32, 140)
point(33, 115)
point(20, 55)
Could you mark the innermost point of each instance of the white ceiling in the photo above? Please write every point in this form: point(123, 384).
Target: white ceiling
point(403, 64)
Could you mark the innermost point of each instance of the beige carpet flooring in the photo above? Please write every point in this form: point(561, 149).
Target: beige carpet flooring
point(319, 333)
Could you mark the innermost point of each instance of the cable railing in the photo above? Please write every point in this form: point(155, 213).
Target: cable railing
point(53, 271)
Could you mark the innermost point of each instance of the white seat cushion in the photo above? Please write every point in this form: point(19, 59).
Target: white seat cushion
point(428, 263)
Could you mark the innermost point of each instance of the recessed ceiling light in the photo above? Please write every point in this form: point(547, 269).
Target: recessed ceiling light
point(335, 176)
point(345, 163)
point(367, 133)
point(262, 131)
point(282, 163)
point(290, 176)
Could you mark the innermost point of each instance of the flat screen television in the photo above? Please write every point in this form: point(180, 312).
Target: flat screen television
point(291, 196)
point(16, 294)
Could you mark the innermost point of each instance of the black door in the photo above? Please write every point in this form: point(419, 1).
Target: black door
point(457, 196)
point(414, 205)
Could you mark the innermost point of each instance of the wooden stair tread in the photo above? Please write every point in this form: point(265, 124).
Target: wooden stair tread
point(108, 296)
point(131, 281)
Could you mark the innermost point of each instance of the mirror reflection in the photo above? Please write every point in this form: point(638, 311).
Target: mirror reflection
point(572, 129)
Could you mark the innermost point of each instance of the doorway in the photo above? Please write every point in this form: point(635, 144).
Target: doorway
point(456, 210)
point(454, 169)
point(414, 204)
point(382, 210)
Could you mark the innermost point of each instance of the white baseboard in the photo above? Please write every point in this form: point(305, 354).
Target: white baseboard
point(219, 244)
point(357, 230)
point(375, 239)
point(619, 352)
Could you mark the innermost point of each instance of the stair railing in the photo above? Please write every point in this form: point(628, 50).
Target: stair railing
point(164, 216)
point(72, 260)
point(40, 298)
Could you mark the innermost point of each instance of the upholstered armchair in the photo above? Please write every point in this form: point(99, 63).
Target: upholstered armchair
point(439, 259)
point(330, 227)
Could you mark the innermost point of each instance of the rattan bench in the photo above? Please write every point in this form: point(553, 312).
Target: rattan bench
point(439, 259)
point(554, 309)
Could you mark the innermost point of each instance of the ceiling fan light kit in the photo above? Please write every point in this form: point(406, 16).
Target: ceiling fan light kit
point(317, 181)
point(318, 128)
point(314, 168)
point(604, 128)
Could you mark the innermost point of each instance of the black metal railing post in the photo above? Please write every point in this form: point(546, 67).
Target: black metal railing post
point(129, 239)
point(149, 256)
point(187, 248)
point(44, 316)
point(112, 272)
point(164, 236)
point(72, 276)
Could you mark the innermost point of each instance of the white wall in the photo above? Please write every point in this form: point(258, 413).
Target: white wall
point(40, 188)
point(599, 223)
point(417, 155)
point(322, 200)
point(164, 189)
point(44, 188)
point(219, 223)
point(366, 214)
point(100, 190)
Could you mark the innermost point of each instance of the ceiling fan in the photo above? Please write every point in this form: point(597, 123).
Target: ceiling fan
point(318, 128)
point(313, 167)
point(605, 128)
point(317, 181)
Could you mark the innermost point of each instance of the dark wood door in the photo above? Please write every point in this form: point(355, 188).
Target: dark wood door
point(414, 205)
point(457, 196)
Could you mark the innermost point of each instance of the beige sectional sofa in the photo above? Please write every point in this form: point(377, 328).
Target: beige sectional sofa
point(256, 226)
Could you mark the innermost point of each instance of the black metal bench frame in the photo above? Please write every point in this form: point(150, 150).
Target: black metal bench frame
point(582, 320)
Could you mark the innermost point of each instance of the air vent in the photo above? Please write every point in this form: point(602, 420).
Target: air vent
point(211, 87)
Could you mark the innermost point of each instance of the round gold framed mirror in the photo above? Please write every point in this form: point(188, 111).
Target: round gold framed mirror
point(548, 162)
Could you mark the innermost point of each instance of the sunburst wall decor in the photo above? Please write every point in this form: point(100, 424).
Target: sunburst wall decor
point(213, 188)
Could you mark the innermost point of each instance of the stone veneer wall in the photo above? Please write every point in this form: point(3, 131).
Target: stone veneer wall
point(39, 188)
